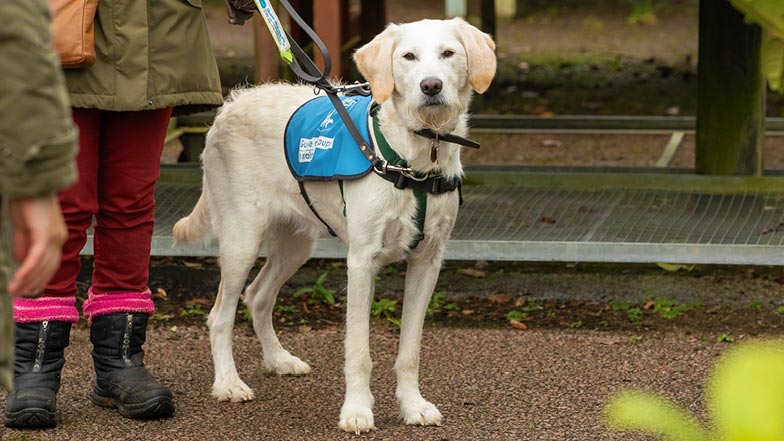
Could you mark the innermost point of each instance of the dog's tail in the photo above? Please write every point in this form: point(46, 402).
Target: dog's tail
point(195, 227)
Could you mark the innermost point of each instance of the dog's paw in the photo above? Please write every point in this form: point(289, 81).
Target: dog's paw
point(356, 420)
point(235, 391)
point(421, 413)
point(286, 364)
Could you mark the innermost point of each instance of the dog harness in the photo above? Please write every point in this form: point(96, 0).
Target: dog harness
point(320, 147)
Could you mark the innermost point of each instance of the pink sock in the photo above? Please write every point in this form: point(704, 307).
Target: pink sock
point(98, 304)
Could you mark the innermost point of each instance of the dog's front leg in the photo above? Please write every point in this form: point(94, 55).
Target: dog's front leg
point(357, 412)
point(421, 277)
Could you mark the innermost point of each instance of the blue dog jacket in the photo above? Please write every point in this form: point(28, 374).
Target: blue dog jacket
point(318, 145)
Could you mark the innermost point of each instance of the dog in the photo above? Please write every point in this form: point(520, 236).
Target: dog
point(423, 74)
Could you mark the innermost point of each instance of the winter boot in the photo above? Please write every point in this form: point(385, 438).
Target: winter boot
point(38, 360)
point(121, 379)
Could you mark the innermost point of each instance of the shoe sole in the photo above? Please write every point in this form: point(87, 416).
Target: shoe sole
point(32, 418)
point(159, 407)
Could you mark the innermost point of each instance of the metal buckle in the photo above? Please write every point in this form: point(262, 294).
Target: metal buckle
point(383, 167)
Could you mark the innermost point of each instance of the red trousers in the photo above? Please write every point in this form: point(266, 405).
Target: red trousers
point(119, 163)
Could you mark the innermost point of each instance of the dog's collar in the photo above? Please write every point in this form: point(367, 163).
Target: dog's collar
point(448, 137)
point(435, 137)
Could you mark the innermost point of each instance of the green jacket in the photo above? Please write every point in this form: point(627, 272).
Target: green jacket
point(37, 135)
point(150, 54)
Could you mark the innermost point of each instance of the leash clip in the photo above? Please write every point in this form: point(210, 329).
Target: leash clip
point(383, 167)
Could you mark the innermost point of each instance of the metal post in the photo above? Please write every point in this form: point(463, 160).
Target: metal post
point(456, 8)
point(731, 93)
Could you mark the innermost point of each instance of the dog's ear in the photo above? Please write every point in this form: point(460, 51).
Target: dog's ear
point(480, 50)
point(374, 61)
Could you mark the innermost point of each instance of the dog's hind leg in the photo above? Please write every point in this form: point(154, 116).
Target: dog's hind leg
point(357, 412)
point(421, 277)
point(286, 252)
point(237, 256)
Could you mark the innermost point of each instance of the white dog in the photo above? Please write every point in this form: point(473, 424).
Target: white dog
point(424, 75)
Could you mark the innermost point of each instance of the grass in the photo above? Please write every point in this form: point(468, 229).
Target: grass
point(318, 292)
point(193, 311)
point(385, 308)
point(668, 308)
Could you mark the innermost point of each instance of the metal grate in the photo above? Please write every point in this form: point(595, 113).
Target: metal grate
point(523, 221)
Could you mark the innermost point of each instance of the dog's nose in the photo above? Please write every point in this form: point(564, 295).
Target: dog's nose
point(431, 86)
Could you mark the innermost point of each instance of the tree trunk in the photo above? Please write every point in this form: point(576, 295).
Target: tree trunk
point(731, 93)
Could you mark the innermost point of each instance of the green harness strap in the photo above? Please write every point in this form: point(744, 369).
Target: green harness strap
point(421, 196)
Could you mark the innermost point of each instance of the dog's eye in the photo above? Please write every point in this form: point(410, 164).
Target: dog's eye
point(447, 53)
point(409, 56)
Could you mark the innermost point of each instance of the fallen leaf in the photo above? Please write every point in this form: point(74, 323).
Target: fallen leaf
point(649, 304)
point(468, 311)
point(500, 299)
point(470, 272)
point(611, 341)
point(517, 324)
point(160, 294)
point(305, 328)
point(551, 142)
point(205, 302)
point(548, 220)
point(196, 265)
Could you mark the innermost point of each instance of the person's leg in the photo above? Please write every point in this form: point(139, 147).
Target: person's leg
point(119, 301)
point(43, 324)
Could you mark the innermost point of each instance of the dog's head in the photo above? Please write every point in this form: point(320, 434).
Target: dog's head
point(428, 68)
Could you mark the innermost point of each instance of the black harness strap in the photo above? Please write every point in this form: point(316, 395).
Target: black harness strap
point(313, 209)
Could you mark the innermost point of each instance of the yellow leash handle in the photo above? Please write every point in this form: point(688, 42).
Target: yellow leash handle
point(276, 29)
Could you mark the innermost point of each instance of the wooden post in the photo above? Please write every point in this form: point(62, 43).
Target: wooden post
point(329, 22)
point(267, 60)
point(730, 93)
point(488, 17)
point(373, 19)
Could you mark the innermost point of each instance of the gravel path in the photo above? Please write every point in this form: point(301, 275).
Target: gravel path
point(490, 384)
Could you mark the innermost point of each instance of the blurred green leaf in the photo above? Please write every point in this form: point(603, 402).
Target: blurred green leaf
point(648, 413)
point(773, 63)
point(769, 14)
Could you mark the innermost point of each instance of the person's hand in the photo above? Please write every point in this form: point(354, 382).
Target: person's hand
point(240, 11)
point(39, 235)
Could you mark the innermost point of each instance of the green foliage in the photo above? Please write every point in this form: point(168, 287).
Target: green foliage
point(745, 396)
point(246, 314)
point(438, 302)
point(641, 12)
point(634, 315)
point(635, 339)
point(577, 324)
point(453, 306)
point(725, 338)
point(668, 308)
point(195, 310)
point(780, 310)
point(757, 305)
point(516, 315)
point(386, 308)
point(286, 309)
point(318, 292)
point(769, 14)
point(619, 306)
